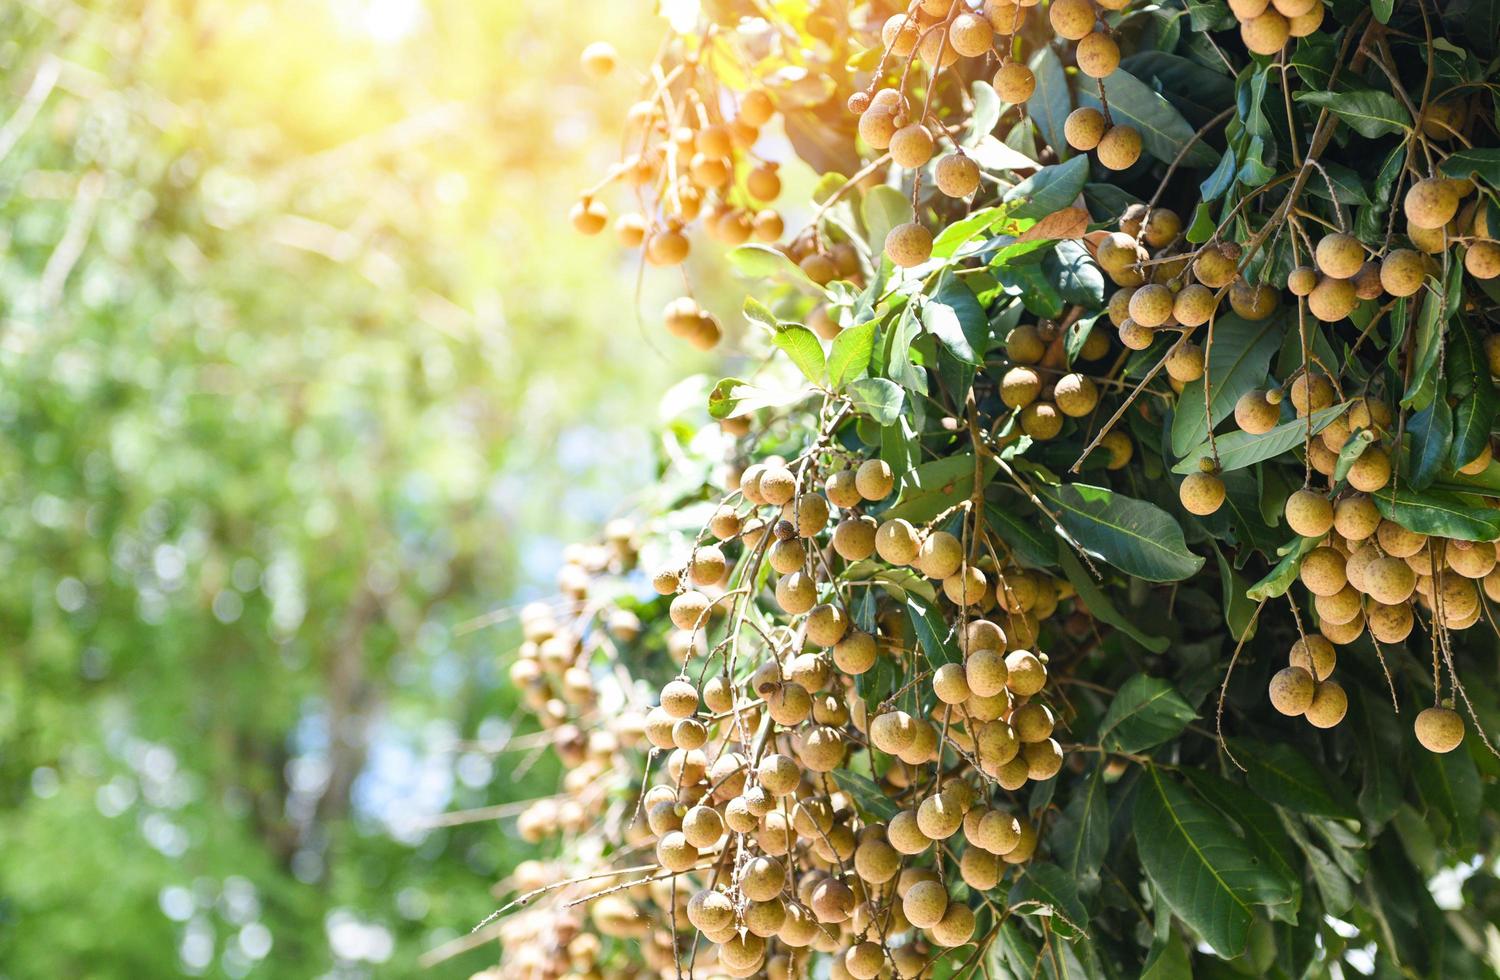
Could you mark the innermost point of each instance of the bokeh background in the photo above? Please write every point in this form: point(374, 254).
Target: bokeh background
point(305, 380)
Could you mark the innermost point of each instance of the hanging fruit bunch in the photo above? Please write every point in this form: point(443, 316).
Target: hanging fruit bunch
point(1134, 367)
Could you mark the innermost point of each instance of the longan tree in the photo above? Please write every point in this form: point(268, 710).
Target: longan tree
point(1096, 578)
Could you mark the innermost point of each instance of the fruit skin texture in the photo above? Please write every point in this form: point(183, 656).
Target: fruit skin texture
point(909, 245)
point(1308, 513)
point(1292, 691)
point(1084, 128)
point(1014, 82)
point(957, 175)
point(1201, 493)
point(1120, 148)
point(1430, 204)
point(1329, 705)
point(1439, 729)
point(1254, 414)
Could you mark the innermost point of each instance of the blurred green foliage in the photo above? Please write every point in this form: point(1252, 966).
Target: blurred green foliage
point(301, 370)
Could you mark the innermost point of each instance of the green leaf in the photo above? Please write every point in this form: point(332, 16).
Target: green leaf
point(929, 489)
point(1099, 604)
point(1162, 128)
point(849, 355)
point(1258, 822)
point(1049, 189)
point(802, 346)
point(932, 632)
point(1369, 112)
point(1145, 712)
point(1218, 183)
point(732, 397)
point(1050, 104)
point(985, 114)
point(1470, 382)
point(1207, 874)
point(1239, 610)
point(1483, 163)
point(1438, 512)
point(878, 398)
point(1046, 889)
point(1431, 437)
point(870, 799)
point(1240, 449)
point(882, 209)
point(1382, 9)
point(1031, 545)
point(1280, 773)
point(1138, 538)
point(955, 317)
point(1422, 387)
point(1237, 363)
point(1083, 831)
point(1449, 782)
point(1077, 277)
point(1280, 578)
point(756, 261)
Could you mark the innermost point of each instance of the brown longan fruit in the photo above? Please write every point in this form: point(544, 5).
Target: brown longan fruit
point(1439, 729)
point(710, 911)
point(957, 175)
point(1248, 9)
point(935, 49)
point(1397, 541)
point(1025, 674)
point(1430, 204)
point(1041, 421)
point(826, 624)
point(908, 245)
point(1119, 255)
point(1471, 559)
point(950, 685)
point(1095, 346)
point(1217, 265)
point(938, 817)
point(1024, 344)
point(1389, 580)
point(1120, 147)
point(1329, 705)
point(1252, 302)
point(1292, 690)
point(1072, 19)
point(841, 489)
point(1020, 386)
point(832, 901)
point(689, 610)
point(1084, 127)
point(1075, 395)
point(1482, 260)
point(1097, 55)
point(911, 146)
point(971, 36)
point(863, 961)
point(1332, 299)
point(981, 634)
point(1014, 82)
point(1033, 722)
point(630, 230)
point(900, 35)
point(1390, 624)
point(925, 904)
point(1310, 396)
point(892, 732)
point(1322, 572)
point(1119, 447)
point(1265, 34)
point(855, 653)
point(1201, 493)
point(1339, 608)
point(776, 484)
point(674, 853)
point(877, 126)
point(1254, 414)
point(1185, 362)
point(1314, 654)
point(1044, 759)
point(854, 538)
point(707, 565)
point(955, 928)
point(1367, 281)
point(986, 672)
point(1339, 255)
point(1309, 513)
point(1151, 305)
point(796, 593)
point(1355, 517)
point(999, 832)
point(896, 542)
point(940, 555)
point(589, 216)
point(874, 479)
point(876, 861)
point(1371, 471)
point(1302, 280)
point(1194, 305)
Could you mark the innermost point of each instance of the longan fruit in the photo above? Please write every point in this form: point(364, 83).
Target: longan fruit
point(1302, 280)
point(630, 230)
point(1095, 346)
point(1482, 260)
point(876, 861)
point(1389, 580)
point(1339, 255)
point(874, 480)
point(1248, 9)
point(892, 732)
point(971, 36)
point(940, 555)
point(841, 490)
point(826, 624)
point(1119, 447)
point(689, 610)
point(925, 904)
point(1322, 572)
point(1339, 608)
point(896, 542)
point(1356, 517)
point(981, 634)
point(935, 49)
point(1292, 690)
point(1025, 674)
point(1254, 414)
point(900, 35)
point(1072, 19)
point(1430, 204)
point(950, 685)
point(999, 832)
point(1120, 147)
point(1471, 559)
point(1014, 82)
point(1151, 305)
point(1310, 396)
point(955, 928)
point(674, 853)
point(1020, 386)
point(1194, 305)
point(1303, 25)
point(1216, 266)
point(1397, 541)
point(1371, 471)
point(1367, 281)
point(707, 565)
point(1041, 421)
point(904, 834)
point(855, 653)
point(1118, 307)
point(1044, 759)
point(1329, 705)
point(876, 127)
point(1314, 654)
point(1074, 395)
point(1439, 729)
point(1265, 34)
point(863, 961)
point(938, 817)
point(1097, 55)
point(710, 911)
point(1309, 513)
point(776, 485)
point(908, 245)
point(666, 581)
point(957, 175)
point(1390, 624)
point(966, 588)
point(986, 672)
point(911, 146)
point(1332, 299)
point(1119, 255)
point(1024, 344)
point(1185, 362)
point(1033, 722)
point(1201, 493)
point(1084, 128)
point(1252, 302)
point(589, 216)
point(796, 593)
point(854, 538)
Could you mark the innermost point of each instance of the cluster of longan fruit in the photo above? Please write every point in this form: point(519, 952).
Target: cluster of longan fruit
point(692, 163)
point(1267, 25)
point(1437, 217)
point(1045, 392)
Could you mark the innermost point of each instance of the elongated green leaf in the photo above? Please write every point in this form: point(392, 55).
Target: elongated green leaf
point(1280, 773)
point(882, 209)
point(867, 796)
point(802, 346)
point(878, 398)
point(1031, 545)
point(1049, 189)
point(1432, 436)
point(957, 320)
point(1438, 512)
point(1145, 712)
point(1081, 835)
point(849, 356)
point(1240, 449)
point(1046, 889)
point(1099, 605)
point(1368, 112)
point(1138, 538)
point(1281, 577)
point(932, 632)
point(1050, 104)
point(929, 489)
point(1431, 322)
point(732, 397)
point(1478, 404)
point(1483, 163)
point(1258, 822)
point(1207, 874)
point(756, 261)
point(1450, 784)
point(1162, 128)
point(1237, 363)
